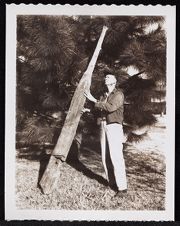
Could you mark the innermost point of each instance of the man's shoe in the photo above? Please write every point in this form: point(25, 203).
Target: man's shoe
point(120, 193)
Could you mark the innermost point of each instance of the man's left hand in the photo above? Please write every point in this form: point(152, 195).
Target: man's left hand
point(84, 110)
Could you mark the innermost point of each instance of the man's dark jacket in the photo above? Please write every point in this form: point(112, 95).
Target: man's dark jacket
point(112, 107)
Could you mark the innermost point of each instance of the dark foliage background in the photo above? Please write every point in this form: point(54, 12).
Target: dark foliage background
point(54, 51)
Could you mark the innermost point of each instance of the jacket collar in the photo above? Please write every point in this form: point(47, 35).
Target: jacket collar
point(114, 90)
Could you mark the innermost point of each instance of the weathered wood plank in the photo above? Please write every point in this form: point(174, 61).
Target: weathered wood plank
point(68, 131)
point(71, 123)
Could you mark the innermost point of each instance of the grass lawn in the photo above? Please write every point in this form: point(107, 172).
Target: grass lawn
point(83, 187)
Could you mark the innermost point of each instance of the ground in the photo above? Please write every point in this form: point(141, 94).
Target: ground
point(83, 187)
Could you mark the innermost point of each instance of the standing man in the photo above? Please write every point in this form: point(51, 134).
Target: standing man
point(111, 106)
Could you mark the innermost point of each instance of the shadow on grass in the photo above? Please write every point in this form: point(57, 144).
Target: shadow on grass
point(73, 161)
point(43, 164)
point(92, 158)
point(148, 169)
point(140, 163)
point(145, 170)
point(79, 166)
point(34, 153)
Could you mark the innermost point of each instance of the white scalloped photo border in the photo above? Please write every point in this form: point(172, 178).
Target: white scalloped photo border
point(11, 212)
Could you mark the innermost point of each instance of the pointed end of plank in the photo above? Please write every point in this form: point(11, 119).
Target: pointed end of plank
point(46, 190)
point(43, 191)
point(50, 176)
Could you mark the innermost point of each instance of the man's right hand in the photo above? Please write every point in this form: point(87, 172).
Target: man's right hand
point(89, 96)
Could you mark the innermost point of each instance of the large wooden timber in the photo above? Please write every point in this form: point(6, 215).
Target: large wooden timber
point(60, 152)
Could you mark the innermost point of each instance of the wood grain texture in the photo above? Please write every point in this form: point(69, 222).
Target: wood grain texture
point(68, 131)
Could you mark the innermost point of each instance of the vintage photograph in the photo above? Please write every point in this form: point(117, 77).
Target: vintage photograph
point(93, 96)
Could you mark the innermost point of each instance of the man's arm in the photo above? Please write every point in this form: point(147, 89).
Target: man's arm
point(111, 105)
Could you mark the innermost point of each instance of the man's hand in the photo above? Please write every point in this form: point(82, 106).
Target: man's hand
point(84, 110)
point(89, 96)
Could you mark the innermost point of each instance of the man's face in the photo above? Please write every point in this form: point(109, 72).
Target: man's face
point(110, 79)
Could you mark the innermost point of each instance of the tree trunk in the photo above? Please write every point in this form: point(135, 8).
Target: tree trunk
point(60, 152)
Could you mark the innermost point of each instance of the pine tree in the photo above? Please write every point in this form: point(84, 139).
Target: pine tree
point(46, 50)
point(53, 52)
point(128, 44)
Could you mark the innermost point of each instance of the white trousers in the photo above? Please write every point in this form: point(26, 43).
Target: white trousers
point(112, 135)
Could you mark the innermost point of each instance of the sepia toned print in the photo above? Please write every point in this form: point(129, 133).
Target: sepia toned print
point(93, 99)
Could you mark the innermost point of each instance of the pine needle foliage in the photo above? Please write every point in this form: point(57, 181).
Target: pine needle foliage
point(54, 51)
